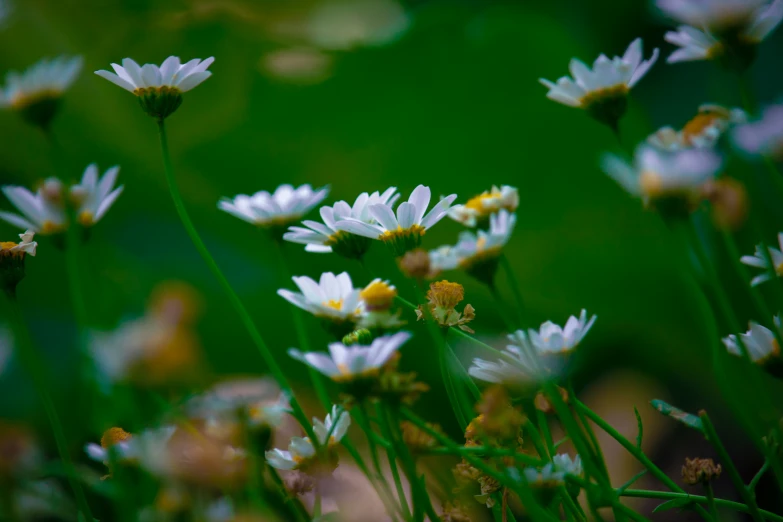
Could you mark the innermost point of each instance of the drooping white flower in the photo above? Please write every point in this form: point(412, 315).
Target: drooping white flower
point(36, 91)
point(759, 340)
point(42, 212)
point(301, 452)
point(159, 89)
point(401, 232)
point(95, 195)
point(479, 208)
point(759, 260)
point(349, 363)
point(551, 338)
point(657, 173)
point(602, 91)
point(333, 297)
point(477, 253)
point(763, 136)
point(326, 237)
point(285, 205)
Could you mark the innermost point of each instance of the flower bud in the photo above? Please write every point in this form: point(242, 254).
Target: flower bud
point(697, 471)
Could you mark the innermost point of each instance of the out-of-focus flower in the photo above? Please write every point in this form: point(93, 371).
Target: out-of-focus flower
point(551, 338)
point(603, 90)
point(502, 371)
point(259, 400)
point(700, 471)
point(764, 136)
point(95, 195)
point(703, 130)
point(159, 89)
point(760, 342)
point(300, 65)
point(479, 208)
point(36, 92)
point(351, 363)
point(42, 212)
point(729, 201)
point(669, 181)
point(12, 260)
point(158, 349)
point(553, 474)
point(416, 264)
point(347, 24)
point(304, 456)
point(759, 260)
point(43, 500)
point(333, 298)
point(277, 210)
point(478, 253)
point(498, 423)
point(442, 300)
point(726, 30)
point(416, 438)
point(6, 10)
point(115, 440)
point(20, 455)
point(377, 299)
point(326, 237)
point(401, 232)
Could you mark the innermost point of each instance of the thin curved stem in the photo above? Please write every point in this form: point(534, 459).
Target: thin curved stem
point(667, 495)
point(514, 284)
point(240, 309)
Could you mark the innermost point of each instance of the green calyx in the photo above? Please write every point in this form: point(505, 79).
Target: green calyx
point(159, 102)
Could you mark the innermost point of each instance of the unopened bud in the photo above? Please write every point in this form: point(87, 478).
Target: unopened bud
point(697, 471)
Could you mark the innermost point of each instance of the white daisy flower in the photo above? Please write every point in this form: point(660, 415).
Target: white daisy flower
point(752, 20)
point(693, 44)
point(285, 205)
point(759, 260)
point(764, 136)
point(515, 368)
point(479, 208)
point(759, 340)
point(401, 232)
point(159, 89)
point(477, 253)
point(377, 299)
point(25, 246)
point(350, 363)
point(702, 131)
point(325, 237)
point(657, 173)
point(332, 298)
point(301, 452)
point(42, 212)
point(553, 474)
point(551, 338)
point(603, 90)
point(36, 91)
point(95, 195)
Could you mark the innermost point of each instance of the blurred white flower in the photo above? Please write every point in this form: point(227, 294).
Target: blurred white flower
point(326, 237)
point(694, 45)
point(602, 91)
point(333, 297)
point(759, 260)
point(401, 232)
point(341, 25)
point(26, 245)
point(519, 370)
point(753, 20)
point(6, 10)
point(300, 65)
point(553, 474)
point(42, 212)
point(301, 452)
point(759, 340)
point(657, 173)
point(551, 338)
point(36, 91)
point(764, 136)
point(278, 209)
point(479, 208)
point(95, 195)
point(260, 399)
point(349, 363)
point(703, 130)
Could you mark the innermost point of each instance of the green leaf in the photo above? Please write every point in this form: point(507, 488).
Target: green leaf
point(689, 419)
point(640, 428)
point(631, 481)
point(681, 503)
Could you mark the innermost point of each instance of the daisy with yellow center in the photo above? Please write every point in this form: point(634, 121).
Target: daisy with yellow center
point(603, 90)
point(303, 455)
point(43, 212)
point(95, 195)
point(159, 89)
point(36, 92)
point(479, 208)
point(376, 302)
point(703, 130)
point(402, 232)
point(332, 298)
point(351, 363)
point(442, 300)
point(277, 209)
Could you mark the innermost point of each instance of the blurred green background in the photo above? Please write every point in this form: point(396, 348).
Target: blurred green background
point(440, 92)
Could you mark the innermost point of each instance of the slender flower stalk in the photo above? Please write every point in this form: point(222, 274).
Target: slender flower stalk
point(244, 316)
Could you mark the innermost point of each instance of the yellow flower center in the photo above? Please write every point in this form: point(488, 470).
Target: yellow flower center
point(113, 436)
point(651, 183)
point(698, 125)
point(486, 202)
point(445, 294)
point(49, 227)
point(378, 295)
point(603, 94)
point(85, 218)
point(5, 249)
point(337, 304)
point(165, 89)
point(402, 232)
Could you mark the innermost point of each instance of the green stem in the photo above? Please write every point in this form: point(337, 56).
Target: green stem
point(363, 419)
point(543, 424)
point(572, 507)
point(36, 368)
point(487, 451)
point(391, 455)
point(317, 503)
point(666, 495)
point(244, 316)
point(755, 481)
point(633, 450)
point(723, 455)
point(711, 501)
point(515, 289)
point(535, 438)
